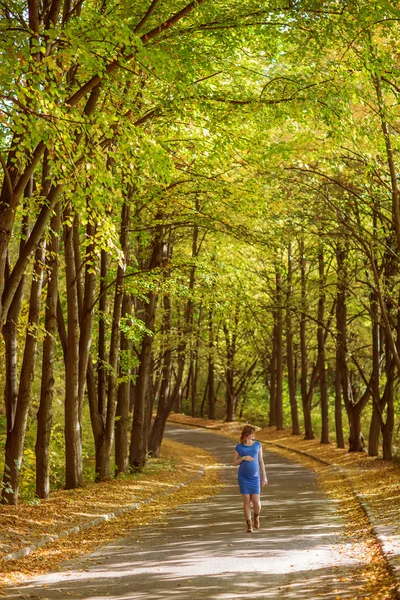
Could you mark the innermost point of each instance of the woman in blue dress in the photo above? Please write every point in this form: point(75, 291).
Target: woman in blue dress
point(249, 458)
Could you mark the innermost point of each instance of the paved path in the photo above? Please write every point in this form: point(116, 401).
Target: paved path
point(204, 552)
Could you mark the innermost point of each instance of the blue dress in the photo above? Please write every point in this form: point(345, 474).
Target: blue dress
point(249, 471)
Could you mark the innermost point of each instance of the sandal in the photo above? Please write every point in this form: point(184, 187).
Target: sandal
point(256, 521)
point(249, 527)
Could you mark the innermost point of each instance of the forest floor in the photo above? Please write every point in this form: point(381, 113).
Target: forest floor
point(23, 525)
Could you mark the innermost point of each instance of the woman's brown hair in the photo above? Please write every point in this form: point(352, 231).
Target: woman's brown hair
point(247, 430)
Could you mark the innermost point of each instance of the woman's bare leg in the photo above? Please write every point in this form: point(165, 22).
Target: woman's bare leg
point(257, 507)
point(246, 506)
point(256, 503)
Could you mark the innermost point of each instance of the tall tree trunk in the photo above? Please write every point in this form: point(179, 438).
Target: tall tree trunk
point(338, 405)
point(321, 349)
point(97, 394)
point(9, 331)
point(230, 394)
point(195, 367)
point(388, 400)
point(86, 310)
point(101, 344)
point(157, 430)
point(340, 319)
point(272, 392)
point(279, 350)
point(73, 427)
point(122, 411)
point(204, 400)
point(150, 396)
point(16, 438)
point(139, 437)
point(375, 425)
point(211, 369)
point(230, 344)
point(353, 409)
point(191, 389)
point(44, 414)
point(305, 396)
point(80, 309)
point(289, 348)
point(103, 456)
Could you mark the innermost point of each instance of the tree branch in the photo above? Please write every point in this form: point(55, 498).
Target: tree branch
point(147, 15)
point(114, 65)
point(7, 178)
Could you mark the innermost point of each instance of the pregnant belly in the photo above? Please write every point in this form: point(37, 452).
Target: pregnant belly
point(248, 469)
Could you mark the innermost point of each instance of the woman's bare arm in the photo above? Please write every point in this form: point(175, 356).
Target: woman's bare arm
point(237, 459)
point(264, 480)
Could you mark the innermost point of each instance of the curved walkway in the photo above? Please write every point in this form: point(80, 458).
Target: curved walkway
point(203, 551)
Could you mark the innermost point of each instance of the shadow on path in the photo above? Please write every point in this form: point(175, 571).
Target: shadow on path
point(203, 550)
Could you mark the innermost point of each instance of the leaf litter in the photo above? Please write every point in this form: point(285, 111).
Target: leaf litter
point(23, 525)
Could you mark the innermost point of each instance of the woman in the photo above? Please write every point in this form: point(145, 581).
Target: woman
point(249, 457)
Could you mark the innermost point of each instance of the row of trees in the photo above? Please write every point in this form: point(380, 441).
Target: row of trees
point(345, 190)
point(108, 155)
point(200, 208)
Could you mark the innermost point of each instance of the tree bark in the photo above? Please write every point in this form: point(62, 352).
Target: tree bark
point(15, 184)
point(340, 319)
point(375, 425)
point(305, 396)
point(279, 350)
point(289, 348)
point(388, 403)
point(139, 437)
point(230, 344)
point(103, 455)
point(272, 391)
point(174, 399)
point(338, 405)
point(101, 348)
point(73, 435)
point(353, 408)
point(195, 365)
point(211, 368)
point(9, 331)
point(44, 414)
point(123, 402)
point(157, 430)
point(321, 350)
point(16, 438)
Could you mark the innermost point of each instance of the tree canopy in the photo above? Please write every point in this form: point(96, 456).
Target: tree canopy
point(199, 211)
